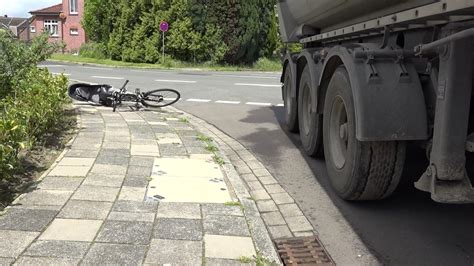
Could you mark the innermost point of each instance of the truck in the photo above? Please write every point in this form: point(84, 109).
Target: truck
point(375, 75)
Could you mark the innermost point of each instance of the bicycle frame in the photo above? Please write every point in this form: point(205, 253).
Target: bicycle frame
point(134, 97)
point(139, 98)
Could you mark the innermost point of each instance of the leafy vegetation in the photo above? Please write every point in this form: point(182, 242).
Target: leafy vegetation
point(231, 32)
point(233, 203)
point(31, 103)
point(217, 159)
point(203, 138)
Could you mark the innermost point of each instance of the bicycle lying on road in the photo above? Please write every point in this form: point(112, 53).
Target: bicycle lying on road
point(109, 96)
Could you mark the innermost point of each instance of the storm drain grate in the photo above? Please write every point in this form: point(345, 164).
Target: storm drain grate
point(302, 251)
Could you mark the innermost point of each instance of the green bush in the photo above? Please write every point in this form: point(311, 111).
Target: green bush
point(93, 50)
point(232, 31)
point(31, 103)
point(18, 59)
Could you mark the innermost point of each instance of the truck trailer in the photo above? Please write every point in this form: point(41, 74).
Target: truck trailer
point(374, 75)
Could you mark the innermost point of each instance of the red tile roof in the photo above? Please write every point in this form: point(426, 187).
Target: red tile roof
point(56, 9)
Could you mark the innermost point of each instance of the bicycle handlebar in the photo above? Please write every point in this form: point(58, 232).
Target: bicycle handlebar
point(125, 84)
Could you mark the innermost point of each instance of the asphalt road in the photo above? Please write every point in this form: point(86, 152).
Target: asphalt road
point(406, 229)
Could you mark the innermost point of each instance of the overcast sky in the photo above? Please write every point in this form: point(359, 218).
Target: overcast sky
point(20, 8)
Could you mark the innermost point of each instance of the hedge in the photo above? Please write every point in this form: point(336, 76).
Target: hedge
point(31, 103)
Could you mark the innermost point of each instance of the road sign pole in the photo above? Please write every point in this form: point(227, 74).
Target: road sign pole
point(163, 60)
point(164, 26)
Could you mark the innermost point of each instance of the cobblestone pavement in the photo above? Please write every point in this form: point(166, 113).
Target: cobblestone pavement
point(150, 187)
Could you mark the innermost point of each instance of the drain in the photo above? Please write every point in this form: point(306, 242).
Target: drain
point(302, 251)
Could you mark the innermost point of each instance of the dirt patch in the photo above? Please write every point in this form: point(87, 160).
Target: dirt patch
point(39, 158)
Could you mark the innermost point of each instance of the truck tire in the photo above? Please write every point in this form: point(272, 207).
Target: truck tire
point(290, 103)
point(310, 124)
point(357, 170)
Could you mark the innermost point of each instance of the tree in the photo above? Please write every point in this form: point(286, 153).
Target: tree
point(232, 31)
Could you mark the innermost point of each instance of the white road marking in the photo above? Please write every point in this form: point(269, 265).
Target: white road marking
point(51, 65)
point(280, 105)
point(227, 102)
point(65, 74)
point(256, 85)
point(198, 100)
point(150, 70)
point(101, 68)
point(175, 81)
point(259, 104)
point(102, 77)
point(82, 81)
point(241, 76)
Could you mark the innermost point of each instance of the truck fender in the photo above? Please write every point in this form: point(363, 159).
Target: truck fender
point(309, 57)
point(388, 97)
point(290, 59)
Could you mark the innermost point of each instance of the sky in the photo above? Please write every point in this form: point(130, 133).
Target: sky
point(20, 8)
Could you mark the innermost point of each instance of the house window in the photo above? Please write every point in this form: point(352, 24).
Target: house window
point(51, 26)
point(74, 32)
point(32, 29)
point(73, 6)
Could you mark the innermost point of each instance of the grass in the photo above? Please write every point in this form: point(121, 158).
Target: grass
point(233, 203)
point(184, 120)
point(203, 138)
point(245, 259)
point(211, 148)
point(258, 259)
point(217, 159)
point(261, 260)
point(263, 64)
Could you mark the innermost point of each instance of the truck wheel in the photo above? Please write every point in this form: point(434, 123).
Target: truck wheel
point(291, 104)
point(357, 170)
point(310, 124)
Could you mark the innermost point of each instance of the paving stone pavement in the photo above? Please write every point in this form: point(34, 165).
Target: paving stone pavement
point(144, 187)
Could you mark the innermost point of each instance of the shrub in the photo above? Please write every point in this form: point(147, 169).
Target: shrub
point(31, 103)
point(18, 59)
point(93, 50)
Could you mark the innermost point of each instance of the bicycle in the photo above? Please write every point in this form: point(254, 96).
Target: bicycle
point(154, 98)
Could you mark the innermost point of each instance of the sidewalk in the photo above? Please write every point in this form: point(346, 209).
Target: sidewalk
point(150, 187)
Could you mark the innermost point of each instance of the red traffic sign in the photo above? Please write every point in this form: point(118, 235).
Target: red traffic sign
point(164, 26)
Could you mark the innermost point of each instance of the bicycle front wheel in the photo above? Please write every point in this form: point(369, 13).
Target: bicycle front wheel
point(160, 97)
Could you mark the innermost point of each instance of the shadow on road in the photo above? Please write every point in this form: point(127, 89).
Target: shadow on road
point(407, 228)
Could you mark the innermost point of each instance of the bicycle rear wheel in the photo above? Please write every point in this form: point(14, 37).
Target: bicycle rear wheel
point(160, 97)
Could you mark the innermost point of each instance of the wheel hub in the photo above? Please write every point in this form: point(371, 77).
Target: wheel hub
point(287, 95)
point(339, 133)
point(343, 132)
point(306, 111)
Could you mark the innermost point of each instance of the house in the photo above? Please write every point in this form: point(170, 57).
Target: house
point(18, 26)
point(63, 22)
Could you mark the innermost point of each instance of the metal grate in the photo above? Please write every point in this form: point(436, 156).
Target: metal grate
point(302, 251)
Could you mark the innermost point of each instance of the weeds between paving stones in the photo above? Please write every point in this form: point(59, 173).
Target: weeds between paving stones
point(211, 148)
point(258, 259)
point(245, 259)
point(217, 159)
point(261, 260)
point(203, 138)
point(233, 203)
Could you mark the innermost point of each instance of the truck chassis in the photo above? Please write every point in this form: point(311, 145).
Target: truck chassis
point(358, 94)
